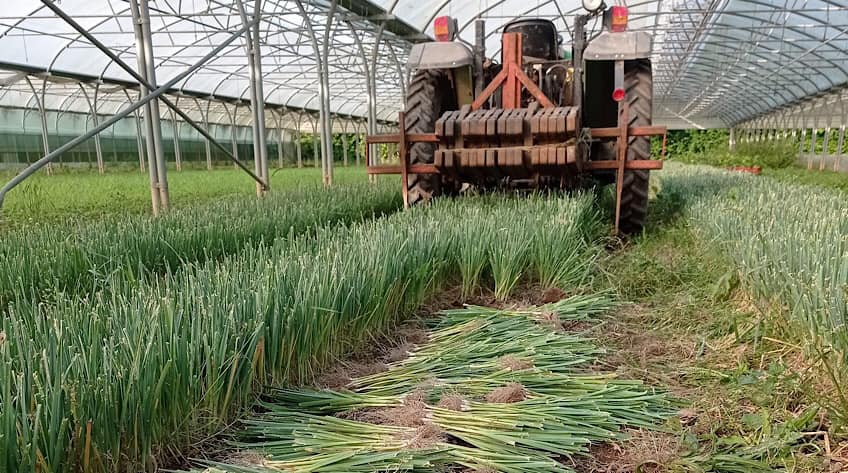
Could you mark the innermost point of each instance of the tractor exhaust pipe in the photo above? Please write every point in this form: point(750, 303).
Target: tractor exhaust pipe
point(479, 56)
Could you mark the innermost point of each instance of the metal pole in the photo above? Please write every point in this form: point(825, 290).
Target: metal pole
point(282, 139)
point(825, 148)
point(260, 105)
point(479, 55)
point(323, 89)
point(317, 154)
point(31, 169)
point(327, 126)
point(356, 145)
point(139, 135)
point(298, 148)
point(206, 143)
point(233, 131)
point(45, 142)
point(254, 64)
point(176, 130)
point(92, 107)
point(141, 80)
point(155, 117)
point(152, 162)
point(344, 143)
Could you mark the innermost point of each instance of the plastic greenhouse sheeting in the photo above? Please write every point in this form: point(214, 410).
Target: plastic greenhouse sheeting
point(716, 62)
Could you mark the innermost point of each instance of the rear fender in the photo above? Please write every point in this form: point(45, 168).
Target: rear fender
point(439, 55)
point(626, 45)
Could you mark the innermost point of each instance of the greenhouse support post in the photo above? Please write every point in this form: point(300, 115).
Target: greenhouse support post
point(34, 167)
point(141, 80)
point(155, 117)
point(152, 162)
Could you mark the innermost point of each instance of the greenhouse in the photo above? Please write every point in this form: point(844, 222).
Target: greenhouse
point(423, 236)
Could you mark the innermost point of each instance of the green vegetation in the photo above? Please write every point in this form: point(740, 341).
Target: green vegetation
point(126, 342)
point(43, 262)
point(511, 391)
point(115, 379)
point(765, 154)
point(800, 175)
point(87, 195)
point(789, 245)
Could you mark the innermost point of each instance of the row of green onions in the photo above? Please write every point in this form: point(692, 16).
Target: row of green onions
point(565, 411)
point(43, 261)
point(790, 245)
point(124, 378)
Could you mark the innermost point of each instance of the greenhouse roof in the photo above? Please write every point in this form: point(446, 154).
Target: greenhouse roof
point(716, 62)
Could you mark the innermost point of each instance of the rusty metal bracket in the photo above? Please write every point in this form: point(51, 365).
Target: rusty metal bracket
point(511, 77)
point(403, 140)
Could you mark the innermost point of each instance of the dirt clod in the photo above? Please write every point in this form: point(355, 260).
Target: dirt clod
point(551, 320)
point(515, 364)
point(426, 436)
point(512, 392)
point(553, 294)
point(398, 353)
point(452, 402)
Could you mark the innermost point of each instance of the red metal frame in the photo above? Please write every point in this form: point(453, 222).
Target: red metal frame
point(511, 79)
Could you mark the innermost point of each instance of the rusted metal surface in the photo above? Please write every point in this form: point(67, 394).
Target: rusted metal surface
point(395, 138)
point(394, 169)
point(632, 131)
point(518, 143)
point(639, 164)
point(511, 79)
point(403, 155)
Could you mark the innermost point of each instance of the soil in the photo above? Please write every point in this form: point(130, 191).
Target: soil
point(643, 452)
point(515, 364)
point(512, 392)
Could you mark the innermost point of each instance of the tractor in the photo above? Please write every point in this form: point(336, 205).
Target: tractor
point(545, 116)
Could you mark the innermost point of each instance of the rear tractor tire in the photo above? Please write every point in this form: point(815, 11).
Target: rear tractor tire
point(430, 94)
point(638, 82)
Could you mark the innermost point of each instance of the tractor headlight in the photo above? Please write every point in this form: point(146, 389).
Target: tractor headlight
point(593, 5)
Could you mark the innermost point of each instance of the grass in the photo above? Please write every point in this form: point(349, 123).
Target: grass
point(693, 326)
point(801, 175)
point(116, 379)
point(788, 243)
point(87, 195)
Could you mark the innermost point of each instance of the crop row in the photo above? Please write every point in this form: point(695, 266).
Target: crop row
point(39, 262)
point(790, 243)
point(106, 382)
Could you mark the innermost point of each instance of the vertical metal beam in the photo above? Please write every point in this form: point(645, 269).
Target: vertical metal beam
point(732, 139)
point(233, 128)
point(153, 173)
point(356, 144)
point(299, 148)
point(327, 124)
point(155, 118)
point(92, 107)
point(825, 147)
point(344, 143)
point(257, 97)
point(139, 134)
point(317, 145)
point(176, 130)
point(260, 104)
point(321, 56)
point(297, 143)
point(45, 142)
point(281, 139)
